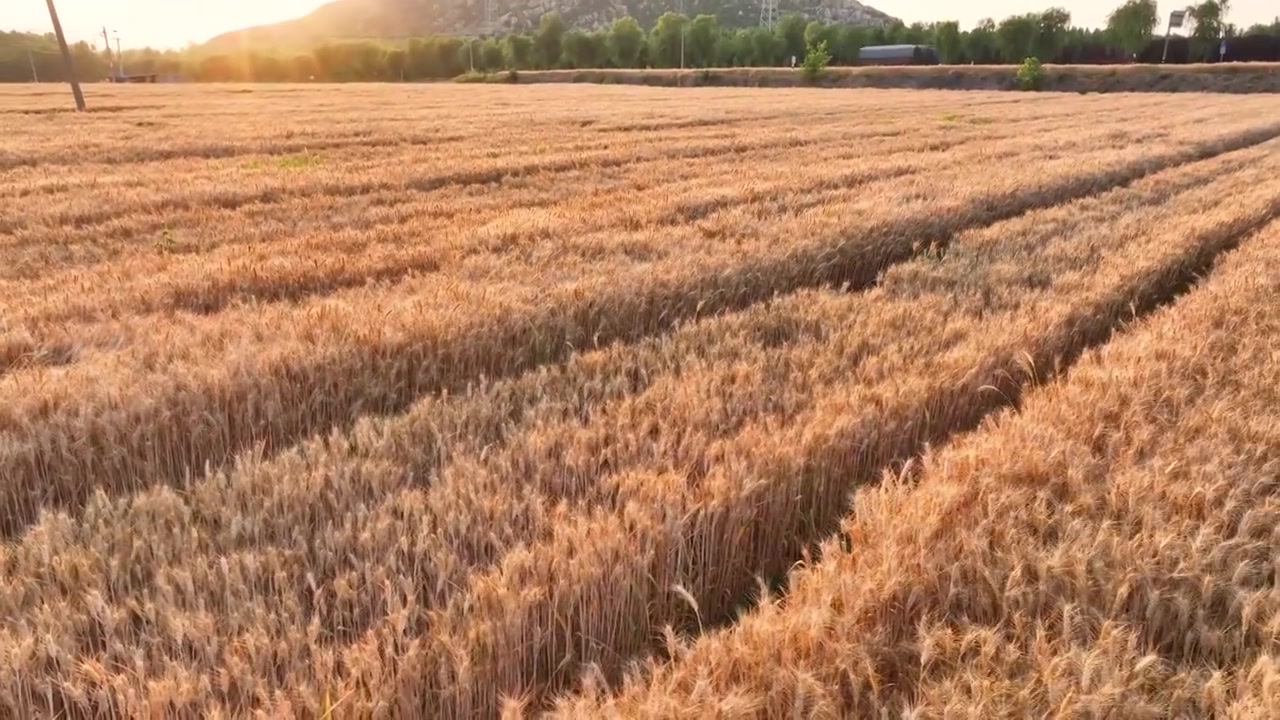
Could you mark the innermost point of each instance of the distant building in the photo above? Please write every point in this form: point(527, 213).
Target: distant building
point(898, 55)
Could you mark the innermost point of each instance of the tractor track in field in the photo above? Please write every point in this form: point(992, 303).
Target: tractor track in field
point(817, 501)
point(1157, 289)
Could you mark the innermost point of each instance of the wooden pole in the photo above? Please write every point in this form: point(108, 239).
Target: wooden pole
point(111, 61)
point(66, 56)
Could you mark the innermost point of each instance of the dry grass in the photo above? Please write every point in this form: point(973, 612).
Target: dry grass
point(433, 399)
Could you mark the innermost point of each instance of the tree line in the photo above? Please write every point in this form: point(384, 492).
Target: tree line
point(675, 40)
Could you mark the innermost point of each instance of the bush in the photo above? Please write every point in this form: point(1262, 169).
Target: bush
point(815, 62)
point(513, 76)
point(1030, 74)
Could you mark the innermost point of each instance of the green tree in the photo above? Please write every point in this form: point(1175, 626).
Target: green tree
point(947, 39)
point(766, 48)
point(519, 52)
point(331, 61)
point(982, 44)
point(1263, 30)
point(847, 44)
point(581, 50)
point(827, 33)
point(790, 30)
point(397, 64)
point(917, 33)
point(548, 40)
point(625, 40)
point(218, 68)
point(1132, 25)
point(816, 59)
point(448, 57)
point(665, 40)
point(418, 63)
point(700, 41)
point(1209, 26)
point(814, 33)
point(263, 67)
point(1051, 33)
point(304, 68)
point(733, 49)
point(1016, 36)
point(600, 41)
point(89, 65)
point(1030, 74)
point(493, 57)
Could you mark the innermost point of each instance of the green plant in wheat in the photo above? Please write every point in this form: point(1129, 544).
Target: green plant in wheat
point(1030, 74)
point(816, 61)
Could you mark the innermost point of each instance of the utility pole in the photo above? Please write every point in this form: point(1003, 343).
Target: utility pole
point(683, 25)
point(106, 39)
point(35, 76)
point(66, 56)
point(120, 55)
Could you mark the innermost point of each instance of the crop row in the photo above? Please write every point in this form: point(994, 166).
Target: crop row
point(1108, 550)
point(39, 332)
point(195, 390)
point(641, 194)
point(248, 180)
point(166, 425)
point(453, 131)
point(297, 122)
point(499, 540)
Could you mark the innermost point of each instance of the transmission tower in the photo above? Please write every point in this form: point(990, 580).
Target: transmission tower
point(768, 13)
point(489, 24)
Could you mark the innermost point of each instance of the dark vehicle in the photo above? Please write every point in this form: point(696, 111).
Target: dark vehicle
point(144, 78)
point(898, 55)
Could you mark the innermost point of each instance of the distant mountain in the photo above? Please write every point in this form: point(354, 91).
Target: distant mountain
point(346, 19)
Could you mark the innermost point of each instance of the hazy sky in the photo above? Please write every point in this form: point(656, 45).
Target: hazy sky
point(173, 23)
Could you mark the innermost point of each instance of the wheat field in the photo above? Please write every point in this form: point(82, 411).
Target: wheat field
point(479, 401)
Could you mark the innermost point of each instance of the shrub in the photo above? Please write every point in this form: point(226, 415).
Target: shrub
point(513, 76)
point(815, 62)
point(1030, 74)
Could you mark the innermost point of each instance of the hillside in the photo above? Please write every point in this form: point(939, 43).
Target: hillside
point(406, 18)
